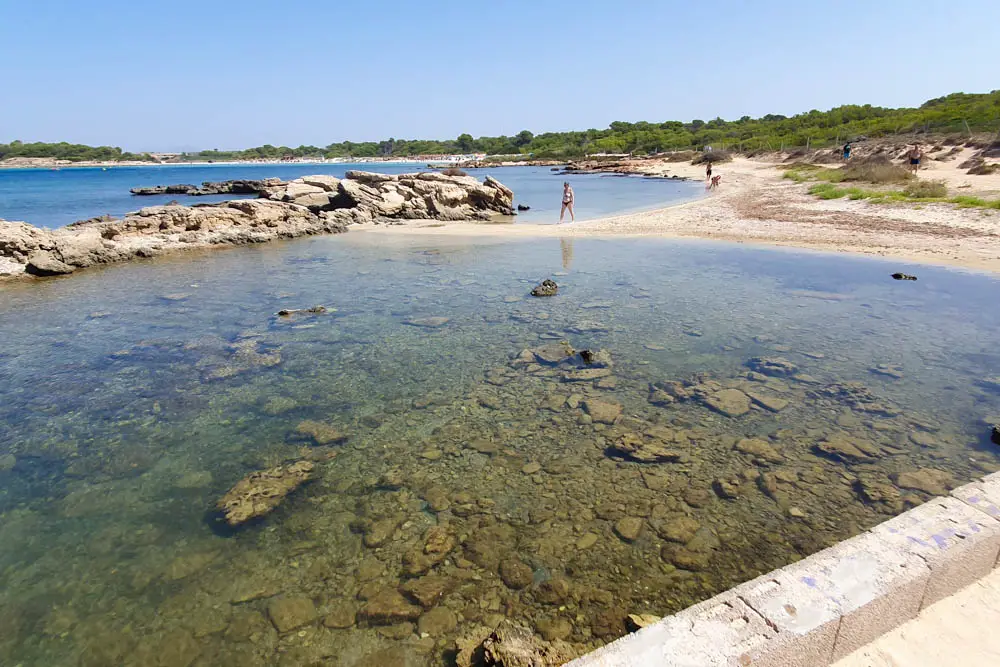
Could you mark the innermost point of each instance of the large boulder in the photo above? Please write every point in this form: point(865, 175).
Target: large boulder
point(44, 263)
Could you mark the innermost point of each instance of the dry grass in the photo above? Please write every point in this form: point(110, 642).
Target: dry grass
point(926, 189)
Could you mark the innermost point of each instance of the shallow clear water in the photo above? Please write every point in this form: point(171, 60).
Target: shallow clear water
point(51, 199)
point(133, 397)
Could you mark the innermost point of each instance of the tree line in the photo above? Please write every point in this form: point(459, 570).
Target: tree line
point(958, 113)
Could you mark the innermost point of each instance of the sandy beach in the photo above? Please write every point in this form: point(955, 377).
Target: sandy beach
point(756, 205)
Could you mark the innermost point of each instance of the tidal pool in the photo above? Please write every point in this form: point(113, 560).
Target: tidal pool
point(743, 408)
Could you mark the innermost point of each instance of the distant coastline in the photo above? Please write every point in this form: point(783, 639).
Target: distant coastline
point(53, 163)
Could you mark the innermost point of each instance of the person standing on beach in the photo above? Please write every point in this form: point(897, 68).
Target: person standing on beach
point(567, 203)
point(847, 151)
point(915, 154)
point(708, 171)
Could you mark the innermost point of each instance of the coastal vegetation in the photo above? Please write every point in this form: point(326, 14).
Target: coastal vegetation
point(876, 175)
point(67, 151)
point(959, 114)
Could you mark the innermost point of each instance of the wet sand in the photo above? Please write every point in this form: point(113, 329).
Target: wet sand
point(756, 205)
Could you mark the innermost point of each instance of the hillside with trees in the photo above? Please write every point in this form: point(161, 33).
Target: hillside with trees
point(958, 114)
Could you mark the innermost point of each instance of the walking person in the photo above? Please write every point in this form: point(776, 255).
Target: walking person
point(847, 151)
point(708, 175)
point(568, 200)
point(915, 154)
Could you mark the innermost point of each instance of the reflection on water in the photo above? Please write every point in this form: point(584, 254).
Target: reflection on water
point(752, 407)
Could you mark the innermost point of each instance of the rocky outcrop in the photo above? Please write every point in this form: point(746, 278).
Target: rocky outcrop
point(309, 205)
point(259, 493)
point(237, 187)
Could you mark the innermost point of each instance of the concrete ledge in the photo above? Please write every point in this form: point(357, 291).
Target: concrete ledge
point(822, 608)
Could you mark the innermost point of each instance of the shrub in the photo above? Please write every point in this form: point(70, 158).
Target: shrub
point(926, 189)
point(454, 171)
point(713, 156)
point(876, 171)
point(680, 156)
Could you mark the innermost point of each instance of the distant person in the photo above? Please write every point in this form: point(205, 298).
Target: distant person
point(708, 171)
point(847, 151)
point(915, 154)
point(567, 203)
point(716, 180)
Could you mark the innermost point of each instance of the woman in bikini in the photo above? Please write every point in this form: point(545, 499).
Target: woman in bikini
point(567, 203)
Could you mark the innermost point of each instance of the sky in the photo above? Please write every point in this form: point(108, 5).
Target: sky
point(183, 75)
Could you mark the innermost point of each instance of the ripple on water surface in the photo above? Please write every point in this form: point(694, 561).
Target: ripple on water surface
point(752, 407)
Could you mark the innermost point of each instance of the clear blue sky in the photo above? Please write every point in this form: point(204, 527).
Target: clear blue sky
point(182, 75)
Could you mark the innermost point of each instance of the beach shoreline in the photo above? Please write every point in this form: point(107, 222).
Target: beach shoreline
point(756, 206)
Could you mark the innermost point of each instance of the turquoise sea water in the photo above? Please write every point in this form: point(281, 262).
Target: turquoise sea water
point(132, 397)
point(51, 199)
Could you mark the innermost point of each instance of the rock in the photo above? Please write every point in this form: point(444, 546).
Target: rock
point(697, 496)
point(7, 462)
point(729, 402)
point(759, 449)
point(342, 616)
point(639, 621)
point(438, 542)
point(545, 288)
point(378, 532)
point(437, 622)
point(553, 591)
point(523, 207)
point(773, 366)
point(388, 606)
point(923, 439)
point(903, 276)
point(428, 590)
point(428, 322)
point(928, 480)
point(995, 435)
point(887, 370)
point(516, 574)
point(991, 383)
point(685, 559)
point(646, 450)
point(596, 358)
point(875, 488)
point(552, 629)
point(552, 353)
point(629, 528)
point(678, 528)
point(321, 432)
point(531, 468)
point(839, 447)
point(586, 541)
point(604, 412)
point(726, 489)
point(260, 492)
point(43, 263)
point(767, 401)
point(512, 645)
point(289, 614)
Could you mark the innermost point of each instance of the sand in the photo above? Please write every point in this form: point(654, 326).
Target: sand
point(756, 205)
point(958, 631)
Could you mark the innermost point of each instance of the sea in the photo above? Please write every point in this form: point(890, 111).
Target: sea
point(681, 417)
point(55, 198)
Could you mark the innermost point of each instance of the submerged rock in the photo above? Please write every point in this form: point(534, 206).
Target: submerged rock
point(645, 450)
point(545, 288)
point(261, 492)
point(759, 449)
point(428, 322)
point(389, 606)
point(903, 276)
point(840, 447)
point(928, 480)
point(289, 614)
point(320, 432)
point(512, 645)
point(629, 528)
point(604, 412)
point(729, 402)
point(774, 366)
